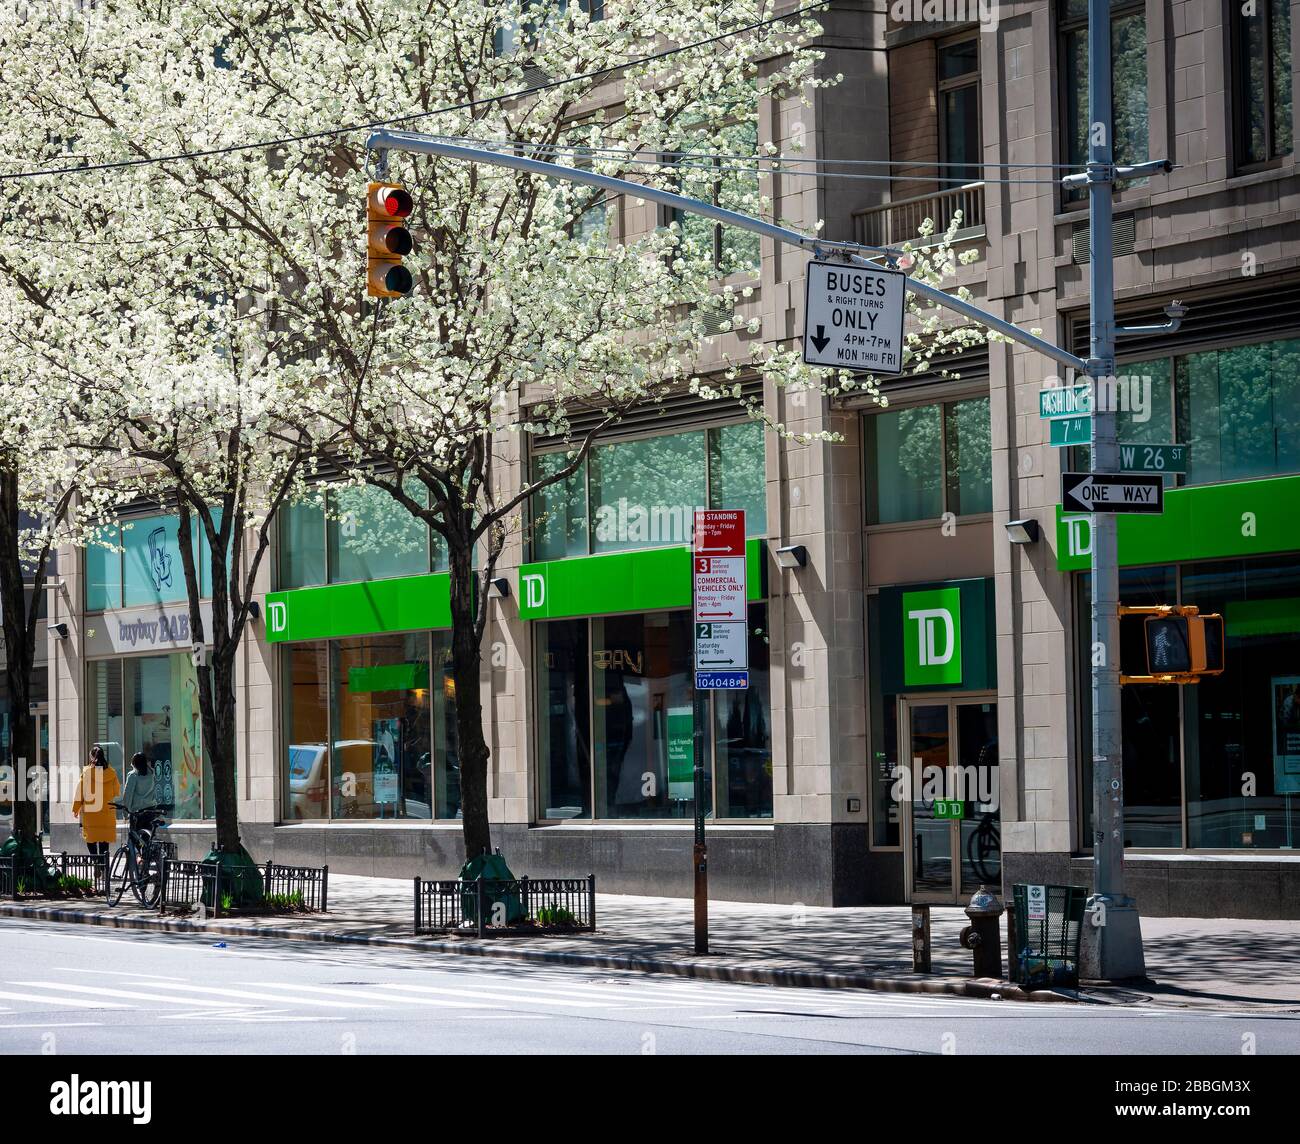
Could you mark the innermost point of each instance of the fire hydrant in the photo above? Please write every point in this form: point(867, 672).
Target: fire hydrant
point(983, 936)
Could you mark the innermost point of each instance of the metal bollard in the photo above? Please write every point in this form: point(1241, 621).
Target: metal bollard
point(983, 937)
point(920, 939)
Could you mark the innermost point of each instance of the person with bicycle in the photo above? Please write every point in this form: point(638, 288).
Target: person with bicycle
point(141, 791)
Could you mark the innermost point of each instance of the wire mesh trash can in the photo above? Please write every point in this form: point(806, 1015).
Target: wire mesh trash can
point(1048, 924)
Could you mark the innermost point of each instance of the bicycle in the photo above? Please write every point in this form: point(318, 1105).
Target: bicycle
point(985, 843)
point(138, 862)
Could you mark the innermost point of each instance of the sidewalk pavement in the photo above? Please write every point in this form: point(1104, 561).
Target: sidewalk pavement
point(1191, 961)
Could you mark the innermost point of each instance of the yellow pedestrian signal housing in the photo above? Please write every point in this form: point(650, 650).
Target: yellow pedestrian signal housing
point(387, 205)
point(1181, 645)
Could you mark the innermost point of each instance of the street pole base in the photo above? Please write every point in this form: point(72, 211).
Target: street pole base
point(1111, 951)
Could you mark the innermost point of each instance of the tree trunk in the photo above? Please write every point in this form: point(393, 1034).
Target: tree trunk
point(216, 679)
point(19, 655)
point(471, 744)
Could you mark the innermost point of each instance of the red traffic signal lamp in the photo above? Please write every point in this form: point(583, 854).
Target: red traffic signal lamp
point(387, 205)
point(1181, 645)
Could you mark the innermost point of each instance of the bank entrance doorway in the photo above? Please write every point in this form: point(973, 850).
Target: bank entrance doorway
point(949, 796)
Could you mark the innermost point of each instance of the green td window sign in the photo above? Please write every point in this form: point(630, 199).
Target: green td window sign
point(932, 637)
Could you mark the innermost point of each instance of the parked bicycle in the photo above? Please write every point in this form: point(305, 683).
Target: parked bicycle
point(138, 862)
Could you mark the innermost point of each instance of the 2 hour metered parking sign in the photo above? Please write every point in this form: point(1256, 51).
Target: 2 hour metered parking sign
point(853, 317)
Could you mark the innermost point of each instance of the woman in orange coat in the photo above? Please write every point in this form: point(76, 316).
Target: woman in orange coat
point(92, 802)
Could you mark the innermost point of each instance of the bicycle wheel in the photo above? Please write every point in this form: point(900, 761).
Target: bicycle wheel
point(149, 886)
point(141, 882)
point(115, 879)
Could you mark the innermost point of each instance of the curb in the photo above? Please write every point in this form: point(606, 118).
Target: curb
point(983, 987)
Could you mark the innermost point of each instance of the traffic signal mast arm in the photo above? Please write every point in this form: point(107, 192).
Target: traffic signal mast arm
point(384, 141)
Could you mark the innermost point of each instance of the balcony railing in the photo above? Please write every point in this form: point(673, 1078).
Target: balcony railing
point(893, 223)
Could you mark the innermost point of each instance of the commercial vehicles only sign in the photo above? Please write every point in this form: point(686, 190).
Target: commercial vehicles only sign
point(721, 615)
point(853, 317)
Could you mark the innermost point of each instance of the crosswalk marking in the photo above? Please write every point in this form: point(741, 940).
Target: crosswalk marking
point(370, 991)
point(512, 997)
point(105, 991)
point(271, 996)
point(77, 1004)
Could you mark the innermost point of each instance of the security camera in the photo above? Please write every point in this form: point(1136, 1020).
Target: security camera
point(1176, 310)
point(60, 630)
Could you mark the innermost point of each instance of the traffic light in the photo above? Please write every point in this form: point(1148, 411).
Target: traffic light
point(387, 205)
point(1179, 644)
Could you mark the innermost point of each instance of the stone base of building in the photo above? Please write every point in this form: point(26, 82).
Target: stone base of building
point(818, 865)
point(1182, 885)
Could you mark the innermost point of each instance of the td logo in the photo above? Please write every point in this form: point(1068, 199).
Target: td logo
point(932, 637)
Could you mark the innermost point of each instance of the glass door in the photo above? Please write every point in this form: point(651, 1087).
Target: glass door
point(951, 799)
point(929, 762)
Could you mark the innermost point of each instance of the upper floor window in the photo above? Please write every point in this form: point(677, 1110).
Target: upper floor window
point(1128, 88)
point(959, 111)
point(534, 16)
point(1261, 80)
point(719, 172)
point(354, 533)
point(643, 493)
point(928, 460)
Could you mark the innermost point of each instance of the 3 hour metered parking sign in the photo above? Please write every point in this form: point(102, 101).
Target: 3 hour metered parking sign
point(853, 317)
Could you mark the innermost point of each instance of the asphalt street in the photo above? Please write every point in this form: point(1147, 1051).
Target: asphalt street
point(70, 989)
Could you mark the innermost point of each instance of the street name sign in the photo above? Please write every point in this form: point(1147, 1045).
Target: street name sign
point(1065, 401)
point(1153, 458)
point(1062, 431)
point(1112, 492)
point(721, 607)
point(853, 317)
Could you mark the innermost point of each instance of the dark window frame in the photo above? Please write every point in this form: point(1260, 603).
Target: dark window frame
point(1240, 96)
point(943, 86)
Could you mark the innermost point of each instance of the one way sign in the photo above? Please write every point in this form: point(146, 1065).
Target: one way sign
point(1112, 492)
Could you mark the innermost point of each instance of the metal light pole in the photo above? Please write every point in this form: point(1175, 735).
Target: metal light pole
point(1114, 916)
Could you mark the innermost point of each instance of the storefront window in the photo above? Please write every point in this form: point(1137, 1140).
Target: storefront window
point(103, 575)
point(382, 761)
point(885, 824)
point(644, 493)
point(742, 733)
point(370, 724)
point(1242, 728)
point(306, 725)
point(151, 704)
point(563, 719)
point(633, 687)
point(1149, 715)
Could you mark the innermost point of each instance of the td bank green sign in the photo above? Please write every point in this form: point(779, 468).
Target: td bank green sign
point(643, 581)
point(1204, 522)
point(932, 637)
point(403, 604)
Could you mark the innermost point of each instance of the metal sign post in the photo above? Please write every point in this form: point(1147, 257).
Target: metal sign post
point(718, 592)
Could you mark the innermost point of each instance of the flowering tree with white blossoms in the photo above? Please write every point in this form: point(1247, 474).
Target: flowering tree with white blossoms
point(213, 304)
point(51, 494)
